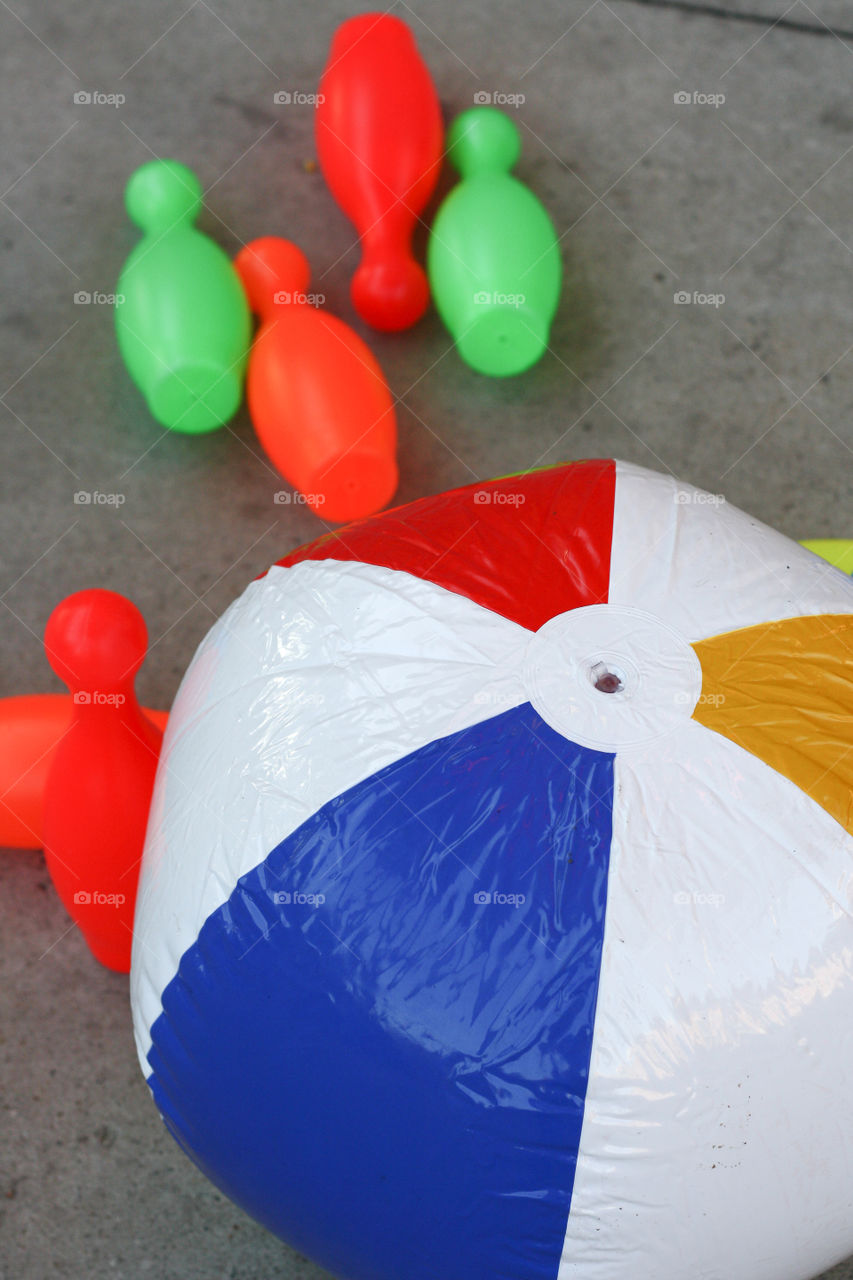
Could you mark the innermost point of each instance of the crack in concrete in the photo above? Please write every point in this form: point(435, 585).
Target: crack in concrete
point(759, 19)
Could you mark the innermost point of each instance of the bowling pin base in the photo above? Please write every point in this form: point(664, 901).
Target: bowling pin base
point(196, 397)
point(355, 486)
point(502, 341)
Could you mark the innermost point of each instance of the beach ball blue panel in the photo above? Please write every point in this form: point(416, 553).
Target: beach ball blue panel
point(379, 1045)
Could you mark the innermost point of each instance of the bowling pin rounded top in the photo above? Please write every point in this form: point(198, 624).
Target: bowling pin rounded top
point(493, 257)
point(483, 140)
point(379, 139)
point(274, 272)
point(182, 320)
point(96, 639)
point(163, 194)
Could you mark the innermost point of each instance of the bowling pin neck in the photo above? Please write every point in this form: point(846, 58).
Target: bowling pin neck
point(389, 289)
point(274, 274)
point(100, 706)
point(161, 195)
point(483, 140)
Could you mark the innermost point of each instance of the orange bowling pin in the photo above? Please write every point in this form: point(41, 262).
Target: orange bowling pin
point(317, 396)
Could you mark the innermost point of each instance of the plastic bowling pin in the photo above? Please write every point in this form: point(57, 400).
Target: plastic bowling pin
point(317, 396)
point(99, 787)
point(183, 325)
point(31, 727)
point(379, 139)
point(493, 259)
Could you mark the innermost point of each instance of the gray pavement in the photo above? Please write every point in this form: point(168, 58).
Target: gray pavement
point(748, 197)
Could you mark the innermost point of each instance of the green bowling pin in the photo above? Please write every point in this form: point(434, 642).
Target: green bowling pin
point(493, 260)
point(182, 318)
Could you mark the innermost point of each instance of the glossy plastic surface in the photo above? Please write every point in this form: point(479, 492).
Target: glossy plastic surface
point(31, 726)
point(511, 829)
point(379, 142)
point(182, 321)
point(493, 258)
point(98, 790)
point(318, 399)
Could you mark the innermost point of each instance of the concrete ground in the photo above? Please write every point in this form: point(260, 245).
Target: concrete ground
point(746, 196)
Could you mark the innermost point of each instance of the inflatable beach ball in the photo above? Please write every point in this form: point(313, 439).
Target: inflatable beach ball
point(496, 912)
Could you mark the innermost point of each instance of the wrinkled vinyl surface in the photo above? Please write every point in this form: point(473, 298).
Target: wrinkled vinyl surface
point(495, 913)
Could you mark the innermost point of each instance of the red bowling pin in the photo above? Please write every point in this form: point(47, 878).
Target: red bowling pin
point(379, 139)
point(98, 790)
point(317, 396)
